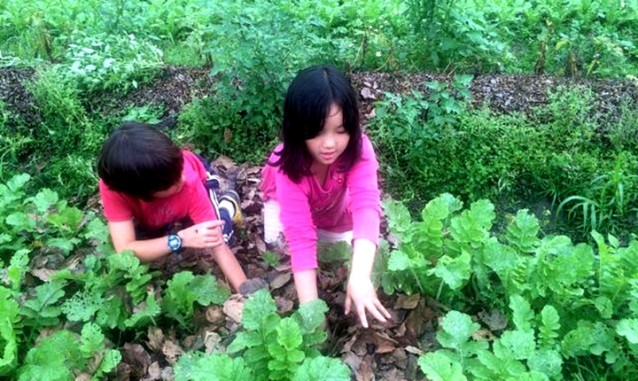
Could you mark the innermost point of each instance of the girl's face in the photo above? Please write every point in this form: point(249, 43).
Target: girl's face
point(326, 147)
point(173, 189)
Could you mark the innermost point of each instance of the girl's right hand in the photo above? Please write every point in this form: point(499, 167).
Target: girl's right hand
point(203, 235)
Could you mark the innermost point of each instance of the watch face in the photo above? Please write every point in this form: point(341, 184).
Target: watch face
point(174, 242)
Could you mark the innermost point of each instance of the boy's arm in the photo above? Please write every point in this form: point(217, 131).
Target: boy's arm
point(203, 235)
point(229, 265)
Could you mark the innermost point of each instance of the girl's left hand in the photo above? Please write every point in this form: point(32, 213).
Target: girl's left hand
point(360, 291)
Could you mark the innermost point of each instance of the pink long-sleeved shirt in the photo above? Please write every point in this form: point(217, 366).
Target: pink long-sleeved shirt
point(346, 201)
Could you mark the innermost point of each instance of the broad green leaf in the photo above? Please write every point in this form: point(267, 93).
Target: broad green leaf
point(9, 307)
point(17, 182)
point(588, 338)
point(257, 307)
point(628, 328)
point(98, 231)
point(289, 334)
point(439, 367)
point(54, 358)
point(498, 366)
point(550, 324)
point(455, 272)
point(9, 345)
point(18, 266)
point(43, 309)
point(83, 305)
point(145, 314)
point(441, 207)
point(520, 343)
point(548, 362)
point(311, 315)
point(522, 314)
point(208, 290)
point(604, 306)
point(68, 218)
point(109, 362)
point(398, 261)
point(215, 367)
point(20, 221)
point(112, 313)
point(64, 244)
point(44, 200)
point(245, 340)
point(522, 232)
point(92, 340)
point(473, 225)
point(399, 218)
point(457, 329)
point(322, 369)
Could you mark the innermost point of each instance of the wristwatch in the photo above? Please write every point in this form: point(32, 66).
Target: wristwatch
point(174, 243)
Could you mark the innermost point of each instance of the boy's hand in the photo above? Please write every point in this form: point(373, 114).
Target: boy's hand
point(202, 235)
point(360, 291)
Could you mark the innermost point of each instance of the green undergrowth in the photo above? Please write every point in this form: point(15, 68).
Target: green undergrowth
point(571, 307)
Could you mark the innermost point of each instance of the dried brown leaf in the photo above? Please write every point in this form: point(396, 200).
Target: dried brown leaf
point(280, 280)
point(155, 339)
point(233, 307)
point(408, 302)
point(172, 351)
point(138, 358)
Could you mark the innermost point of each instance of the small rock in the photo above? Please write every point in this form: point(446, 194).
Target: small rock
point(252, 285)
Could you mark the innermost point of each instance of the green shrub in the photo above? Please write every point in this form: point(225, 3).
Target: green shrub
point(66, 142)
point(571, 304)
point(109, 62)
point(271, 347)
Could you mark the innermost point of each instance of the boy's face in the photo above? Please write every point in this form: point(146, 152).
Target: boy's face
point(173, 189)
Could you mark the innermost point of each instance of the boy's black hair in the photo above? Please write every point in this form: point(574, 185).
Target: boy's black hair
point(310, 96)
point(138, 160)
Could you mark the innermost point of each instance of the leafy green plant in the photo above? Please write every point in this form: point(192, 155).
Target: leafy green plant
point(463, 36)
point(110, 62)
point(66, 140)
point(419, 128)
point(113, 292)
point(184, 289)
point(276, 348)
point(610, 201)
point(148, 114)
point(59, 356)
point(271, 258)
point(567, 300)
point(31, 222)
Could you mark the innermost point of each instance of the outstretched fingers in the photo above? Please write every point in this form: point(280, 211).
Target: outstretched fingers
point(376, 309)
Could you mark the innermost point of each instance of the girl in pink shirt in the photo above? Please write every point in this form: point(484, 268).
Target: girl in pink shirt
point(321, 183)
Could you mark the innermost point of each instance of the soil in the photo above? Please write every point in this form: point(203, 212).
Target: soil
point(383, 352)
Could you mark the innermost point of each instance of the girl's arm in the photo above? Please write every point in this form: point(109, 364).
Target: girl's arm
point(306, 285)
point(360, 289)
point(366, 211)
point(203, 235)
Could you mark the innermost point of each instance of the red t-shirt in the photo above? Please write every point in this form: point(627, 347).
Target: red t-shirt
point(191, 201)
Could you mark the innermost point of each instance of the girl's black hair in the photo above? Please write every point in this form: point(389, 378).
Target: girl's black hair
point(310, 96)
point(138, 160)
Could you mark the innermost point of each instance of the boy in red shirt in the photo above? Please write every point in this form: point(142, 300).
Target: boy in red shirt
point(150, 187)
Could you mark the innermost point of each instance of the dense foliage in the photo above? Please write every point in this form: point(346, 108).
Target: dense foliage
point(567, 301)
